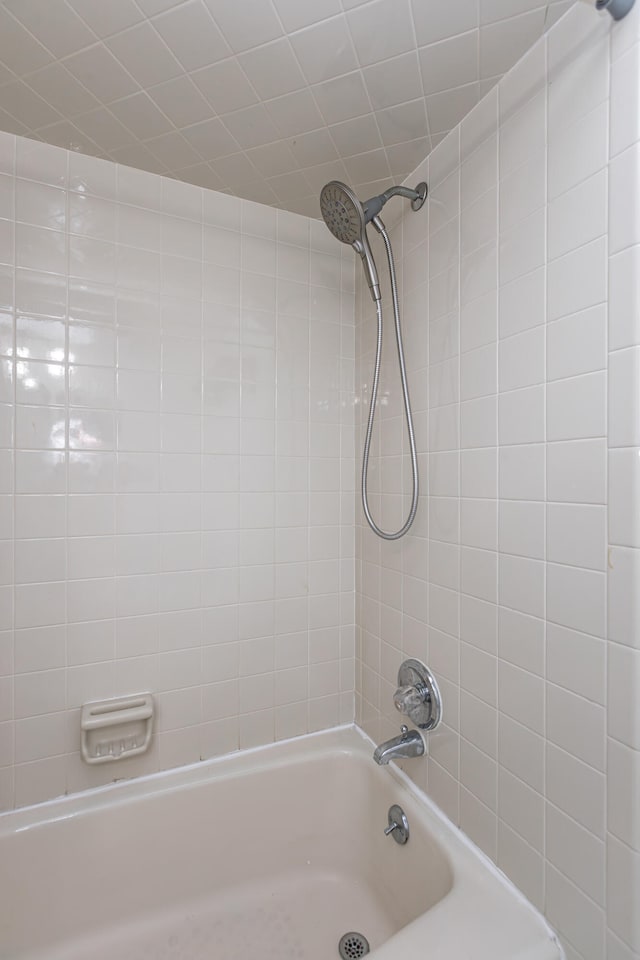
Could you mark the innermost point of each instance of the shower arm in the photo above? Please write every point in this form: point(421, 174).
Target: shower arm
point(405, 192)
point(374, 205)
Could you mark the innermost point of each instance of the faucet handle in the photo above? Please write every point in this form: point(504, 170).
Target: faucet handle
point(417, 695)
point(404, 730)
point(408, 697)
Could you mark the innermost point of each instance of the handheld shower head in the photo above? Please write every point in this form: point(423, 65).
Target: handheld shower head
point(342, 212)
point(346, 219)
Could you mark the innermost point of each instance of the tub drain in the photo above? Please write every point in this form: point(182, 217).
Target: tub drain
point(352, 946)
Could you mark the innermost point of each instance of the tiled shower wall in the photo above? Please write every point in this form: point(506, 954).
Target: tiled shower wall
point(176, 396)
point(519, 582)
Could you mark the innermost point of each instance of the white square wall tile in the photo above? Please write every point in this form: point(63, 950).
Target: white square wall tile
point(39, 161)
point(7, 153)
point(576, 788)
point(623, 575)
point(624, 390)
point(523, 191)
point(625, 113)
point(522, 303)
point(450, 63)
point(522, 529)
point(577, 726)
point(577, 535)
point(624, 484)
point(478, 222)
point(576, 598)
point(565, 648)
point(578, 150)
point(478, 321)
point(624, 200)
point(478, 373)
point(478, 423)
point(479, 473)
point(576, 852)
point(478, 523)
point(521, 696)
point(624, 299)
point(522, 808)
point(522, 360)
point(522, 864)
point(479, 272)
point(623, 879)
point(623, 793)
point(479, 124)
point(521, 643)
point(576, 408)
point(522, 134)
point(522, 247)
point(479, 169)
point(577, 344)
point(623, 706)
point(577, 280)
point(527, 77)
point(521, 584)
point(520, 749)
point(521, 416)
point(522, 472)
point(577, 471)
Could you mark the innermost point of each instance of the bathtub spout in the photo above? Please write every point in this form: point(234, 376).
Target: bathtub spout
point(408, 744)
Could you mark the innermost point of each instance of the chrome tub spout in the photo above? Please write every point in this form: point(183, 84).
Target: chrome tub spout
point(408, 744)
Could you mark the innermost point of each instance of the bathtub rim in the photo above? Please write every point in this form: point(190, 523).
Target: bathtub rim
point(468, 864)
point(237, 762)
point(347, 739)
point(344, 739)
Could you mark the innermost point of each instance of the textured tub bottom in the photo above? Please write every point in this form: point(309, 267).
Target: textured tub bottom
point(293, 916)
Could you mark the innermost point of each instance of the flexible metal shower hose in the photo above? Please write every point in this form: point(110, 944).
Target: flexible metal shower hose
point(374, 396)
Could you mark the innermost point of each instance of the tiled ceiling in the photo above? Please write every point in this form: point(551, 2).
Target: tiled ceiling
point(265, 99)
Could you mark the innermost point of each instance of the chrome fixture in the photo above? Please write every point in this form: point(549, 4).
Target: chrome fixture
point(408, 745)
point(353, 945)
point(347, 220)
point(617, 8)
point(418, 695)
point(398, 824)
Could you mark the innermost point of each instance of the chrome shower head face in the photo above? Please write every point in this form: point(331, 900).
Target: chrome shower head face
point(345, 217)
point(342, 212)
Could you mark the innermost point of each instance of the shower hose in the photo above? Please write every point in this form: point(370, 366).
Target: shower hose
point(374, 396)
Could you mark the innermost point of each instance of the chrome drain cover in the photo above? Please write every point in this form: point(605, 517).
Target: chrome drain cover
point(353, 945)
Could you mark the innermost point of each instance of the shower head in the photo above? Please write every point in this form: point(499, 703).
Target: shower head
point(342, 212)
point(346, 219)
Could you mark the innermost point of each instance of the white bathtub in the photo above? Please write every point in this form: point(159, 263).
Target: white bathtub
point(268, 855)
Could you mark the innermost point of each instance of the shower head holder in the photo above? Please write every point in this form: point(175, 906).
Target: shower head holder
point(374, 205)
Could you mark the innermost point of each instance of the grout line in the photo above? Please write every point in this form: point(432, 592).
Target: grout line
point(545, 464)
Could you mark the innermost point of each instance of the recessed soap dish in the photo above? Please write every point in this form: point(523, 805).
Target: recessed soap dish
point(115, 729)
